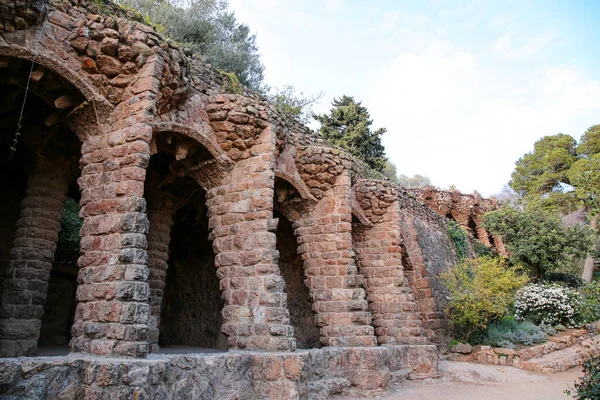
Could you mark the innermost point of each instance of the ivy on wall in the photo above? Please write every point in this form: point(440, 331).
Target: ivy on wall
point(459, 239)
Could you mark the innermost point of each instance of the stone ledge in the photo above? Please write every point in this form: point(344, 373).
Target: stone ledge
point(314, 374)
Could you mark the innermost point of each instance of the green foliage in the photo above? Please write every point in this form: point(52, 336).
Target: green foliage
point(566, 279)
point(482, 250)
point(210, 30)
point(588, 309)
point(297, 105)
point(481, 290)
point(588, 386)
point(459, 239)
point(416, 181)
point(67, 248)
point(390, 171)
point(348, 125)
point(541, 172)
point(508, 332)
point(589, 144)
point(231, 83)
point(537, 238)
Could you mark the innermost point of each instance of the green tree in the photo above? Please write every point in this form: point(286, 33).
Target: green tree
point(416, 181)
point(562, 175)
point(348, 125)
point(390, 171)
point(211, 31)
point(297, 105)
point(537, 239)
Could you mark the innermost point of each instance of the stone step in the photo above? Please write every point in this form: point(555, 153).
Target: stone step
point(564, 359)
point(557, 342)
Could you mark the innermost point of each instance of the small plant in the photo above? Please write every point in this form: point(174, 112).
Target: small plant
point(481, 290)
point(588, 386)
point(509, 332)
point(547, 304)
point(231, 83)
point(588, 307)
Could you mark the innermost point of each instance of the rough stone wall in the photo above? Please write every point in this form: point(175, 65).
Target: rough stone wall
point(299, 303)
point(312, 374)
point(378, 254)
point(124, 90)
point(466, 209)
point(427, 251)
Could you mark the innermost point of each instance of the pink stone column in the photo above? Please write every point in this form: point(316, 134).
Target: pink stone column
point(159, 236)
point(26, 282)
point(378, 255)
point(325, 245)
point(240, 211)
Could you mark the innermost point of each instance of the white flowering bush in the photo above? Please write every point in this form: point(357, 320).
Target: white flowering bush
point(547, 304)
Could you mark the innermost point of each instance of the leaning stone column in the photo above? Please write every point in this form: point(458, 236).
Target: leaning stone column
point(159, 236)
point(26, 283)
point(325, 245)
point(240, 211)
point(378, 255)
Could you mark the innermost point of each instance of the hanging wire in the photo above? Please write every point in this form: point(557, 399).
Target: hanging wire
point(13, 149)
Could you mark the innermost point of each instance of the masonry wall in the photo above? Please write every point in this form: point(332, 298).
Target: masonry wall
point(299, 301)
point(427, 251)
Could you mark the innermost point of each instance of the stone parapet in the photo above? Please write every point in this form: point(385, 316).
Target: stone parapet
point(304, 374)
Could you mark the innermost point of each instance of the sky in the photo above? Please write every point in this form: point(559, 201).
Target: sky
point(463, 88)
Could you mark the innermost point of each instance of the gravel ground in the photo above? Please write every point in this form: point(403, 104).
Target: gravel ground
point(466, 381)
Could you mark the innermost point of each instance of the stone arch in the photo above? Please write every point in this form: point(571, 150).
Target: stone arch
point(185, 297)
point(199, 136)
point(56, 66)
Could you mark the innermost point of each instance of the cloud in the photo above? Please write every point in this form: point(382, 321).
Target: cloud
point(505, 49)
point(333, 4)
point(459, 120)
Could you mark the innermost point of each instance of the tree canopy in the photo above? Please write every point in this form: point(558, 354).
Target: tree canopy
point(562, 175)
point(348, 125)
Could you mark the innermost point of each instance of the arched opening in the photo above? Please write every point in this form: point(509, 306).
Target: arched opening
point(185, 296)
point(473, 228)
point(38, 266)
point(291, 267)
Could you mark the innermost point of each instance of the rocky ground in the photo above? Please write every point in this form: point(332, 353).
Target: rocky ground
point(462, 381)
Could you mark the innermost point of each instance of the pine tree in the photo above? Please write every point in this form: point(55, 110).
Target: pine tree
point(348, 125)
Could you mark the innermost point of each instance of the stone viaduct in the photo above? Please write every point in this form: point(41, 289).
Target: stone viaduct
point(210, 220)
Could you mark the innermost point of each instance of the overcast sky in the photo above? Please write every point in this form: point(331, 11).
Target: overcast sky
point(464, 88)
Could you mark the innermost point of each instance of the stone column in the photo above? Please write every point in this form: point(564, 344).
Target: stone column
point(378, 255)
point(240, 211)
point(26, 281)
point(159, 236)
point(325, 245)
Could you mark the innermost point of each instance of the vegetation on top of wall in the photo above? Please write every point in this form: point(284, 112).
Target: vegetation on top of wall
point(459, 239)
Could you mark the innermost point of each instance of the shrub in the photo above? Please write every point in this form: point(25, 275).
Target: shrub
point(570, 280)
point(588, 308)
point(547, 304)
point(481, 290)
point(588, 387)
point(508, 332)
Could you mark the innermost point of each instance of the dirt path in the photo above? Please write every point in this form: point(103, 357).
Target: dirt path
point(464, 381)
